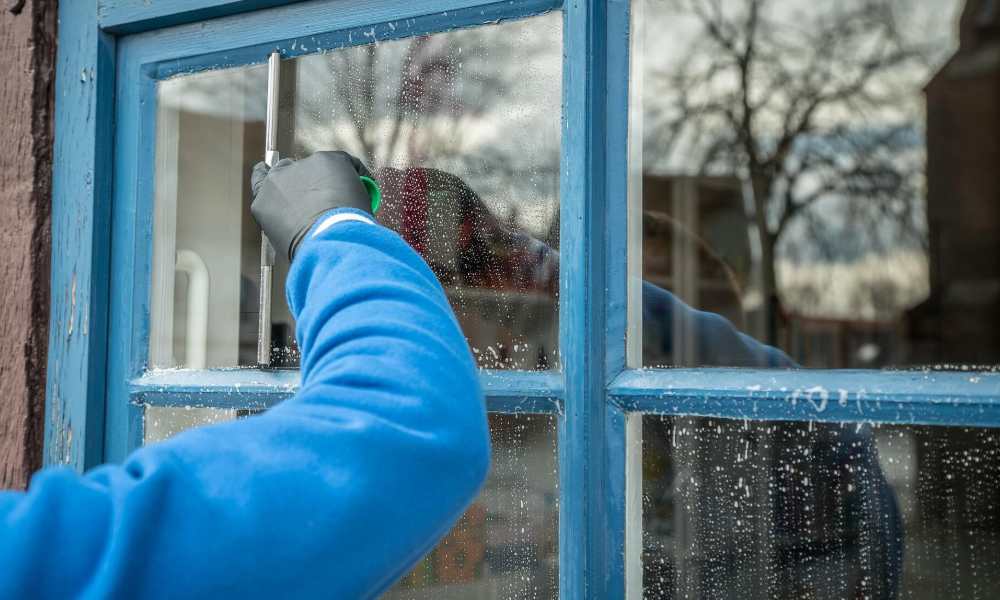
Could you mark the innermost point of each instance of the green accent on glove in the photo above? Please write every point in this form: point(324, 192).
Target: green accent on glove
point(374, 192)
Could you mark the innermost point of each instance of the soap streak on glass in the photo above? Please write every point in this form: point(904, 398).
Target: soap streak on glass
point(506, 544)
point(819, 510)
point(161, 423)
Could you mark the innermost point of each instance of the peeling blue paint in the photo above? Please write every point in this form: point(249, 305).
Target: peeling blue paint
point(80, 239)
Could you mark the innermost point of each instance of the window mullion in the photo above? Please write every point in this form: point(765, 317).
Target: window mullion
point(593, 435)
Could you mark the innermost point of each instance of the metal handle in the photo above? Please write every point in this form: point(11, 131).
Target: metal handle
point(266, 249)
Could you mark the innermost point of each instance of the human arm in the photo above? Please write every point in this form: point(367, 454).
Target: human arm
point(714, 340)
point(336, 492)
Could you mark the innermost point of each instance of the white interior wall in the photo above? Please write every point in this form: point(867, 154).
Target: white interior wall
point(209, 205)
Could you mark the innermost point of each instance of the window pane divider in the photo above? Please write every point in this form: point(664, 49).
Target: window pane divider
point(913, 397)
point(505, 391)
point(596, 531)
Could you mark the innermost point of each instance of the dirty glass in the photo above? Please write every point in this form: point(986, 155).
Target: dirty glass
point(506, 543)
point(818, 177)
point(461, 129)
point(737, 509)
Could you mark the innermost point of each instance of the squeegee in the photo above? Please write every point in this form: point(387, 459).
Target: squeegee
point(266, 249)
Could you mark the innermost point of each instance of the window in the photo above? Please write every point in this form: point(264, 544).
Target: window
point(802, 206)
point(647, 262)
point(461, 129)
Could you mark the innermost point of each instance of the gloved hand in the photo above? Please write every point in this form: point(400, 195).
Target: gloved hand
point(290, 196)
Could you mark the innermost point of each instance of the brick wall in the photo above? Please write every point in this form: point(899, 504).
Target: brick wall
point(27, 57)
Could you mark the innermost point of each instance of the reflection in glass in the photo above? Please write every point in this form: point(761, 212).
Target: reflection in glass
point(823, 177)
point(735, 509)
point(209, 133)
point(462, 131)
point(506, 544)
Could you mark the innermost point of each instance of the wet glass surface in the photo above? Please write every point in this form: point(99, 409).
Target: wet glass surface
point(735, 509)
point(160, 422)
point(461, 129)
point(823, 176)
point(506, 544)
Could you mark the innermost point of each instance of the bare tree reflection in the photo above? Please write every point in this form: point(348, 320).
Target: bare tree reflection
point(400, 102)
point(808, 105)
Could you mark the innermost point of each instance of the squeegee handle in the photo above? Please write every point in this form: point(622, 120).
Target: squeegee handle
point(266, 249)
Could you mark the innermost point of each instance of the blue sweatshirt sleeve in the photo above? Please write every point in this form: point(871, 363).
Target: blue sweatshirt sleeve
point(716, 342)
point(334, 493)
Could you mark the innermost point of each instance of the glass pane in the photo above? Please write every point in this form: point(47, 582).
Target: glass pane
point(820, 178)
point(462, 131)
point(203, 304)
point(506, 544)
point(160, 423)
point(736, 509)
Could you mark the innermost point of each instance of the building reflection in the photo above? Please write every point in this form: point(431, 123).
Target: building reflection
point(959, 322)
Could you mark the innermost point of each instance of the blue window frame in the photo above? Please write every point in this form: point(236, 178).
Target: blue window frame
point(113, 52)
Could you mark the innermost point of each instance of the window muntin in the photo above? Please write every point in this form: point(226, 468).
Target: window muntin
point(461, 129)
point(835, 124)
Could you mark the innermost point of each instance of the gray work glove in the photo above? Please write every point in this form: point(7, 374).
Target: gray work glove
point(291, 195)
